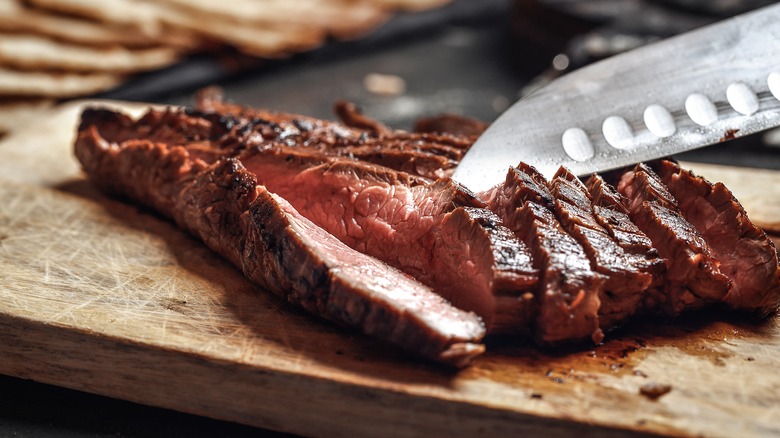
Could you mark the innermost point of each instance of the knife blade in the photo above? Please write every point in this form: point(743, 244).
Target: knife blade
point(700, 88)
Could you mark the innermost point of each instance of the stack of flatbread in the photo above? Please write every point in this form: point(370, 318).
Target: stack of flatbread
point(58, 49)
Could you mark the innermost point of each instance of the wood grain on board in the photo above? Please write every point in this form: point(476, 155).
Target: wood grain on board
point(109, 298)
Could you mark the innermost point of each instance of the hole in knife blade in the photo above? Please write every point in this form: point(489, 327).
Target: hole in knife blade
point(659, 121)
point(617, 132)
point(742, 98)
point(577, 144)
point(774, 84)
point(701, 109)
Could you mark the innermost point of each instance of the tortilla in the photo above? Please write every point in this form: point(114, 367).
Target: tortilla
point(19, 83)
point(266, 41)
point(34, 52)
point(14, 17)
point(16, 113)
point(136, 14)
point(262, 41)
point(336, 17)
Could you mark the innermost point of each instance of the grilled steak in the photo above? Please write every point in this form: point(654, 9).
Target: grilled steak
point(569, 290)
point(693, 277)
point(419, 227)
point(628, 275)
point(611, 212)
point(436, 232)
point(359, 224)
point(746, 255)
point(427, 155)
point(276, 247)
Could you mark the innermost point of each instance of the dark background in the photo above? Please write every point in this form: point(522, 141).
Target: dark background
point(474, 57)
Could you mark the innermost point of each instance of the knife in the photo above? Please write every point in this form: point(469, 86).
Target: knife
point(700, 88)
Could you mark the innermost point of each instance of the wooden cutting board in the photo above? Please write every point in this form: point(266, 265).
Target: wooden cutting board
point(104, 297)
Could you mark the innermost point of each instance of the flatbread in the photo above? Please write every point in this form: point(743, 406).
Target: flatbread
point(336, 17)
point(17, 113)
point(139, 15)
point(19, 83)
point(262, 41)
point(15, 17)
point(250, 38)
point(34, 52)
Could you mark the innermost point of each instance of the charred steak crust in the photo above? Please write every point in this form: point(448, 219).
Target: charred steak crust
point(693, 276)
point(569, 290)
point(428, 155)
point(628, 276)
point(747, 256)
point(276, 247)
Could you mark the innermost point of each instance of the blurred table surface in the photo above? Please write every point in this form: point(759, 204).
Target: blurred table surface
point(472, 58)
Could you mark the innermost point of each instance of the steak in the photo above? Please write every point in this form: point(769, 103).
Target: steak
point(628, 275)
point(569, 290)
point(428, 230)
point(438, 232)
point(611, 212)
point(747, 257)
point(693, 276)
point(275, 246)
point(428, 155)
point(359, 223)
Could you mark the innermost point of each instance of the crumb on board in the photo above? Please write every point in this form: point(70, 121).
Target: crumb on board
point(654, 390)
point(384, 85)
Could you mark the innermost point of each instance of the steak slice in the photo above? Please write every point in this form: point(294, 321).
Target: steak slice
point(745, 253)
point(611, 212)
point(693, 276)
point(424, 154)
point(276, 247)
point(628, 275)
point(439, 233)
point(569, 290)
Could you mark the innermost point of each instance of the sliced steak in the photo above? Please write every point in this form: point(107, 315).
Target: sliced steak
point(358, 132)
point(276, 247)
point(611, 212)
point(745, 253)
point(693, 277)
point(569, 290)
point(439, 233)
point(628, 275)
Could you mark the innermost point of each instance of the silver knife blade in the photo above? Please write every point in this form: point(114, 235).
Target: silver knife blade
point(689, 91)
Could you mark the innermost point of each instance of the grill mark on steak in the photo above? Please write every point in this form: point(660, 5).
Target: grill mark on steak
point(745, 253)
point(569, 290)
point(628, 275)
point(612, 214)
point(693, 277)
point(330, 136)
point(277, 248)
point(439, 233)
point(224, 136)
